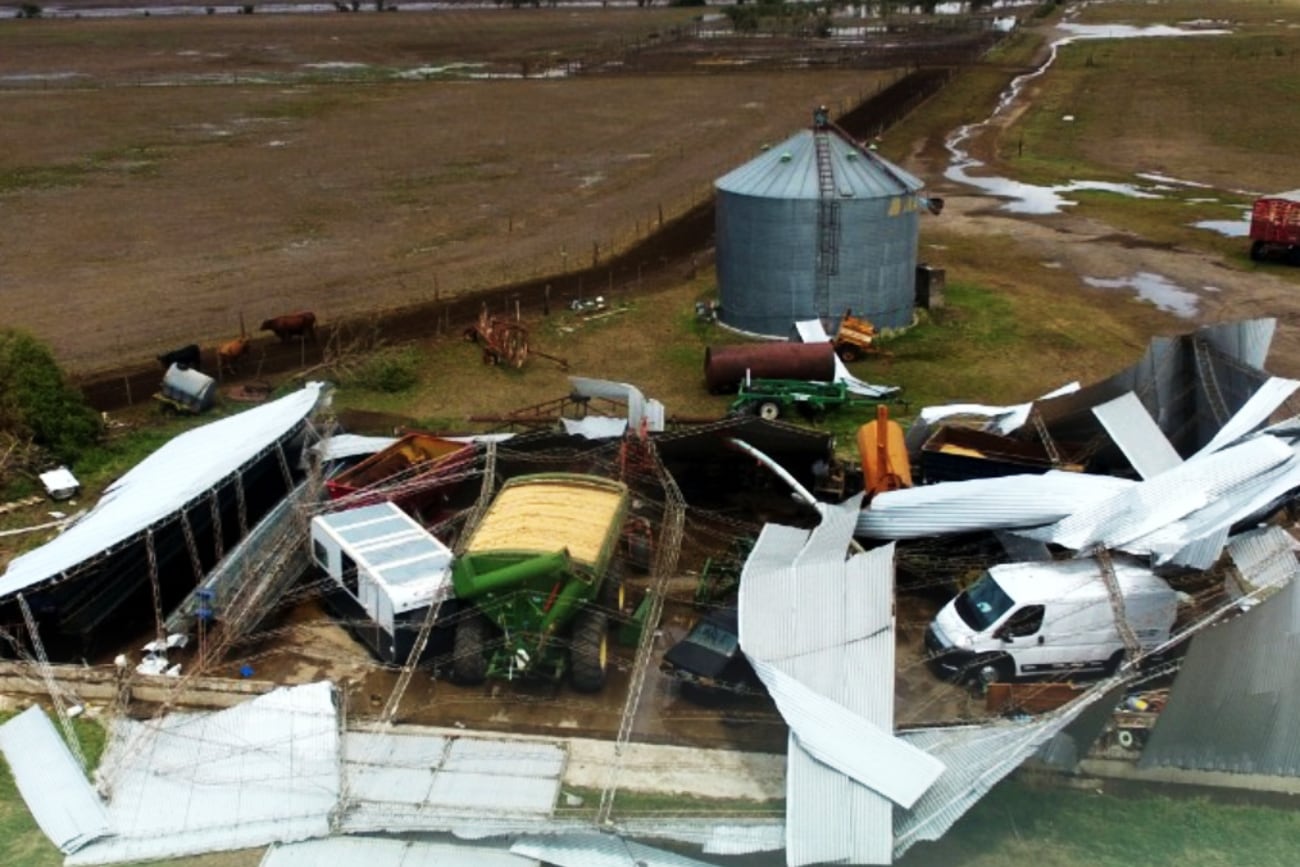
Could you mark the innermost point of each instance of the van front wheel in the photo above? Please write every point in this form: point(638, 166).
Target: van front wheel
point(1115, 661)
point(987, 670)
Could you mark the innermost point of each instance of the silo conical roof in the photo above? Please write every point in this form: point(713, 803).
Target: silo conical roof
point(790, 171)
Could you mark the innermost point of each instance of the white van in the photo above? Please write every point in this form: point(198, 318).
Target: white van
point(1048, 618)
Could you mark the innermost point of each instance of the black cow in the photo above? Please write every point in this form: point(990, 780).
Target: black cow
point(185, 357)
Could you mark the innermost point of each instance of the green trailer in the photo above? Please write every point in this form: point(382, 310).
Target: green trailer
point(773, 398)
point(530, 575)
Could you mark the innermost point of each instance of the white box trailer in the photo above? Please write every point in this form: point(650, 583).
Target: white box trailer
point(1049, 618)
point(387, 571)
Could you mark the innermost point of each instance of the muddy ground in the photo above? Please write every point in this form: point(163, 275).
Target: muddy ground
point(174, 180)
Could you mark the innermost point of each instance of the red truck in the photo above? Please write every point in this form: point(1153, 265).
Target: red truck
point(1275, 227)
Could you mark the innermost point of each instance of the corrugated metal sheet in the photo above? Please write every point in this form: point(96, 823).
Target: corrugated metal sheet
point(599, 850)
point(1264, 558)
point(1235, 705)
point(842, 739)
point(724, 839)
point(407, 782)
point(976, 758)
point(713, 836)
point(220, 586)
point(262, 772)
point(51, 782)
point(340, 446)
point(1262, 404)
point(774, 229)
point(387, 852)
point(1122, 520)
point(789, 171)
point(595, 427)
point(812, 331)
point(1201, 553)
point(1247, 341)
point(185, 468)
point(1138, 436)
point(818, 627)
point(1197, 539)
point(1183, 381)
point(1008, 502)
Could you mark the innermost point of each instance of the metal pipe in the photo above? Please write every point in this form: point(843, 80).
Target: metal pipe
point(800, 491)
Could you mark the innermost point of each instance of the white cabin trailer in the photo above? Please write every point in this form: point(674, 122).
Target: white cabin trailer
point(387, 571)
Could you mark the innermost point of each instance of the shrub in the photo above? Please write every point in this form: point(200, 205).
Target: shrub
point(36, 401)
point(389, 371)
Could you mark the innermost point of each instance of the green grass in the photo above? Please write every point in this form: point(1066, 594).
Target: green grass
point(1019, 824)
point(35, 177)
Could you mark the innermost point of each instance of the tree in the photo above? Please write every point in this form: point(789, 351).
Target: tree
point(37, 403)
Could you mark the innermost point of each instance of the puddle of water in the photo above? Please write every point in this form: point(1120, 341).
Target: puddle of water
point(41, 76)
point(336, 64)
point(1227, 228)
point(1022, 198)
point(1156, 289)
point(1156, 177)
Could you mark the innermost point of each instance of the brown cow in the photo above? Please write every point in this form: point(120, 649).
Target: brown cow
point(229, 353)
point(292, 325)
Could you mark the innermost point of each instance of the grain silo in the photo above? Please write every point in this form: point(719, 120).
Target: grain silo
point(812, 227)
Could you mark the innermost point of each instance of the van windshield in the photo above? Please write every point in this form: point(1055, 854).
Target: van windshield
point(981, 604)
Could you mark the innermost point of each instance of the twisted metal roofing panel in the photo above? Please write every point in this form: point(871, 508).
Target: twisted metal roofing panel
point(817, 625)
point(53, 785)
point(1138, 436)
point(1008, 502)
point(976, 758)
point(599, 850)
point(1235, 705)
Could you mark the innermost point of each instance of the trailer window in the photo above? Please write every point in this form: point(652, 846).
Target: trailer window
point(349, 576)
point(322, 556)
point(981, 604)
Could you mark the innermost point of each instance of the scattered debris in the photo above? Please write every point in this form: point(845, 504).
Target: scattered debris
point(60, 484)
point(185, 390)
point(856, 338)
point(505, 341)
point(15, 505)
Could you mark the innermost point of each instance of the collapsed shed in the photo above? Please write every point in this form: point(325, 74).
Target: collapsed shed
point(158, 530)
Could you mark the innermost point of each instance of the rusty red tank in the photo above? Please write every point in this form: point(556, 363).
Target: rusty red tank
point(725, 366)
